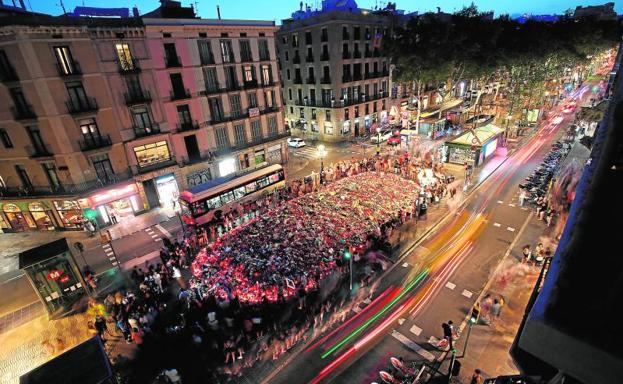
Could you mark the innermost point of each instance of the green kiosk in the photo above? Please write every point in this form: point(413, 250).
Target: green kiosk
point(473, 147)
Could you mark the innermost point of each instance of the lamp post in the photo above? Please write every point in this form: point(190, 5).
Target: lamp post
point(378, 141)
point(322, 152)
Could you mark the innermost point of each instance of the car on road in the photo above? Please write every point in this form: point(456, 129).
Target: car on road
point(296, 142)
point(383, 136)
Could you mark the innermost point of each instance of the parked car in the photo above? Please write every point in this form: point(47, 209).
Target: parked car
point(296, 142)
point(383, 136)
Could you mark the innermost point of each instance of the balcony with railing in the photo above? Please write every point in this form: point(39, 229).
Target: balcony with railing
point(311, 80)
point(66, 188)
point(73, 69)
point(212, 90)
point(367, 53)
point(179, 94)
point(324, 56)
point(325, 80)
point(79, 106)
point(347, 78)
point(324, 37)
point(346, 55)
point(24, 112)
point(309, 58)
point(264, 56)
point(137, 97)
point(345, 36)
point(376, 52)
point(232, 87)
point(187, 126)
point(357, 54)
point(298, 80)
point(250, 84)
point(147, 130)
point(296, 59)
point(127, 67)
point(172, 61)
point(95, 142)
point(38, 151)
point(206, 59)
point(8, 74)
point(357, 76)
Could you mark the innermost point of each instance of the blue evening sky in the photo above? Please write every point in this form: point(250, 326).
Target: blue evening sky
point(281, 9)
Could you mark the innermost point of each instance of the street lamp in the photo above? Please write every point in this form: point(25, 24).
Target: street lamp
point(378, 141)
point(322, 152)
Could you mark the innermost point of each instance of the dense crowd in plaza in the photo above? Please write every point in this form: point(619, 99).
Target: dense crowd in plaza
point(256, 290)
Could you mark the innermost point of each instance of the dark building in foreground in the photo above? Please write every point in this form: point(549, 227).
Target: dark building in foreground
point(572, 329)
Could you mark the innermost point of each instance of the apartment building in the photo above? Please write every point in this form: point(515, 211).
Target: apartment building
point(120, 115)
point(59, 129)
point(335, 73)
point(221, 98)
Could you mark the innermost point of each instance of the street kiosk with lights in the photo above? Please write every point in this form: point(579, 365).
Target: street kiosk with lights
point(55, 276)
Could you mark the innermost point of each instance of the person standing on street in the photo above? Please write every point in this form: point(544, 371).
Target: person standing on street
point(447, 332)
point(477, 377)
point(522, 197)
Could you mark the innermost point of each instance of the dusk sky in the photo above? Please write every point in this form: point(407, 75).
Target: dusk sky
point(281, 9)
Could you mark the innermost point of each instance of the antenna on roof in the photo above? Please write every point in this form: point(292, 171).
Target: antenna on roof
point(62, 6)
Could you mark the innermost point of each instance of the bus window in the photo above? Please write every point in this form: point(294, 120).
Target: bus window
point(263, 182)
point(227, 197)
point(198, 208)
point(274, 178)
point(239, 193)
point(251, 187)
point(214, 202)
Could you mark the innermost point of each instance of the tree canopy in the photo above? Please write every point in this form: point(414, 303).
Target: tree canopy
point(432, 50)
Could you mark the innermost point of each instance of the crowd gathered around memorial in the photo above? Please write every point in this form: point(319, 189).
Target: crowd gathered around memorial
point(253, 292)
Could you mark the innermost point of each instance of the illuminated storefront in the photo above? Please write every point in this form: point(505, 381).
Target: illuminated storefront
point(168, 191)
point(42, 215)
point(114, 204)
point(17, 219)
point(69, 212)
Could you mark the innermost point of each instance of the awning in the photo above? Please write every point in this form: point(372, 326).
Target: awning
point(443, 107)
point(483, 134)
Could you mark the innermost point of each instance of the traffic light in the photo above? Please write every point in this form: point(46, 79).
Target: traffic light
point(347, 254)
point(475, 314)
point(90, 213)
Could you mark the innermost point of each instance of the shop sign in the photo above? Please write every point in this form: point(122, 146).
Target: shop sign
point(254, 112)
point(198, 177)
point(57, 275)
point(114, 194)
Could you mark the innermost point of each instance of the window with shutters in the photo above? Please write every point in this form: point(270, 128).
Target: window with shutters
point(211, 79)
point(256, 129)
point(235, 105)
point(205, 52)
point(272, 125)
point(222, 141)
point(241, 135)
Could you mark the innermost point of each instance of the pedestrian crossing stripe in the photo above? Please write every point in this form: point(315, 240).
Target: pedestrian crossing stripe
point(511, 229)
point(416, 330)
point(450, 285)
point(413, 345)
point(467, 293)
point(497, 224)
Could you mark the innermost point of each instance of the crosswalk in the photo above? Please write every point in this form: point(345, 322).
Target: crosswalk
point(311, 153)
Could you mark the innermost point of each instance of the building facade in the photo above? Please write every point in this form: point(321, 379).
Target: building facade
point(334, 71)
point(120, 115)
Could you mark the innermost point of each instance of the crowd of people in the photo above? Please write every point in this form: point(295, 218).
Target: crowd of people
point(253, 290)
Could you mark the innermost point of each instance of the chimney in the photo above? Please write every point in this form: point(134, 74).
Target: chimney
point(438, 9)
point(218, 12)
point(135, 12)
point(301, 6)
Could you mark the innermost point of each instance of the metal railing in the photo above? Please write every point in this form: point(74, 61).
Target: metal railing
point(82, 105)
point(153, 129)
point(187, 126)
point(66, 188)
point(24, 112)
point(172, 61)
point(180, 94)
point(74, 70)
point(128, 67)
point(95, 142)
point(137, 97)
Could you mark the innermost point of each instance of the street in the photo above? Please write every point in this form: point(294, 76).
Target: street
point(440, 280)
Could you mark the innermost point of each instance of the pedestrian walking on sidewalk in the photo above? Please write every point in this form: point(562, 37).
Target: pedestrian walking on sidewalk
point(113, 218)
point(477, 377)
point(447, 332)
point(496, 309)
point(522, 197)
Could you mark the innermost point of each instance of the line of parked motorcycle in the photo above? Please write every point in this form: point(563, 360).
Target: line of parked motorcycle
point(537, 184)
